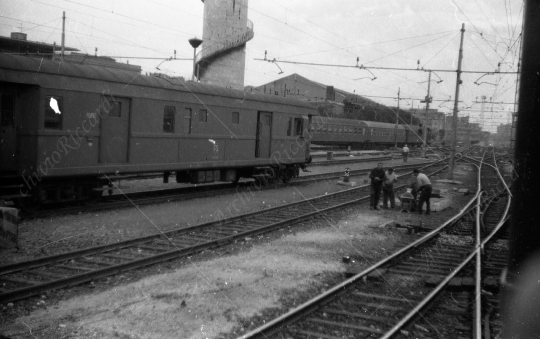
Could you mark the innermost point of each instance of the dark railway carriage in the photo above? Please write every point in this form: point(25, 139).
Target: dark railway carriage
point(413, 135)
point(360, 133)
point(67, 128)
point(380, 133)
point(339, 132)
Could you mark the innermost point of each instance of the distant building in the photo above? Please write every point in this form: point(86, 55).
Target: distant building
point(433, 119)
point(18, 44)
point(468, 132)
point(502, 137)
point(330, 101)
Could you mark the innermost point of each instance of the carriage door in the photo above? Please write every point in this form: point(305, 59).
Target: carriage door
point(114, 131)
point(264, 135)
point(8, 136)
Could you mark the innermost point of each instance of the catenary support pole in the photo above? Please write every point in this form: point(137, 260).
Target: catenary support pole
point(397, 117)
point(521, 287)
point(63, 36)
point(426, 119)
point(455, 115)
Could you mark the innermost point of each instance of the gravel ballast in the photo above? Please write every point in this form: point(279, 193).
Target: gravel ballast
point(220, 293)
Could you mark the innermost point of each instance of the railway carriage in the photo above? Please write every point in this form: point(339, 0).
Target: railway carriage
point(360, 133)
point(67, 129)
point(339, 132)
point(380, 133)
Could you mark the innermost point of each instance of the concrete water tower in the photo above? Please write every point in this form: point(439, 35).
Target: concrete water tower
point(226, 29)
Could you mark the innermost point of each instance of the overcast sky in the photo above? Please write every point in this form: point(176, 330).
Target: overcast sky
point(380, 33)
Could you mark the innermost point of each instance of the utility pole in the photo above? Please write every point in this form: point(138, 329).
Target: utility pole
point(397, 116)
point(426, 119)
point(63, 35)
point(455, 115)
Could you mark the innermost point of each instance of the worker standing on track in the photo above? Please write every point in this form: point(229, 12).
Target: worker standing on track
point(377, 178)
point(424, 189)
point(405, 153)
point(388, 188)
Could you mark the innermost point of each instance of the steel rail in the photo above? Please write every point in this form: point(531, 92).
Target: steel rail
point(140, 240)
point(475, 254)
point(98, 273)
point(418, 308)
point(477, 325)
point(274, 325)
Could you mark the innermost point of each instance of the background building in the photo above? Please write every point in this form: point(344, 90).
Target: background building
point(331, 101)
point(502, 137)
point(18, 44)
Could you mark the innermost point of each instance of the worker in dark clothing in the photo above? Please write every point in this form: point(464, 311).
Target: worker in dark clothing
point(377, 178)
point(424, 189)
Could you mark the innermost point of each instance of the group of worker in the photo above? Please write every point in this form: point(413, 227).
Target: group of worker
point(382, 180)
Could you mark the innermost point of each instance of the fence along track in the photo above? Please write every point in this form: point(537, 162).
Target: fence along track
point(356, 309)
point(25, 279)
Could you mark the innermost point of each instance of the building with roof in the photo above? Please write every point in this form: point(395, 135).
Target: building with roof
point(329, 100)
point(502, 137)
point(18, 44)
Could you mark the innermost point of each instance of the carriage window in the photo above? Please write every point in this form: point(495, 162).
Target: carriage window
point(168, 119)
point(203, 115)
point(289, 127)
point(53, 112)
point(340, 129)
point(235, 117)
point(6, 110)
point(324, 128)
point(298, 126)
point(187, 121)
point(363, 131)
point(116, 109)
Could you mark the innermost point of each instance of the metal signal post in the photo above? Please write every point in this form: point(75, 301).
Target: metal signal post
point(424, 128)
point(397, 118)
point(455, 115)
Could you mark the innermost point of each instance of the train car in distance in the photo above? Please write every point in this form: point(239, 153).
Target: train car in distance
point(337, 132)
point(361, 133)
point(67, 129)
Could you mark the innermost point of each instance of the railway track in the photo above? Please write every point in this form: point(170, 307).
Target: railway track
point(185, 193)
point(433, 287)
point(25, 279)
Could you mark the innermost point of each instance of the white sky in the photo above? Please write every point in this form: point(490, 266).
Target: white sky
point(393, 33)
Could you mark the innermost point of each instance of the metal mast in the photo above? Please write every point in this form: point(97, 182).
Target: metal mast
point(397, 117)
point(455, 115)
point(63, 35)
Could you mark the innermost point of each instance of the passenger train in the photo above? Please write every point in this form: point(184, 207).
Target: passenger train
point(67, 130)
point(361, 134)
